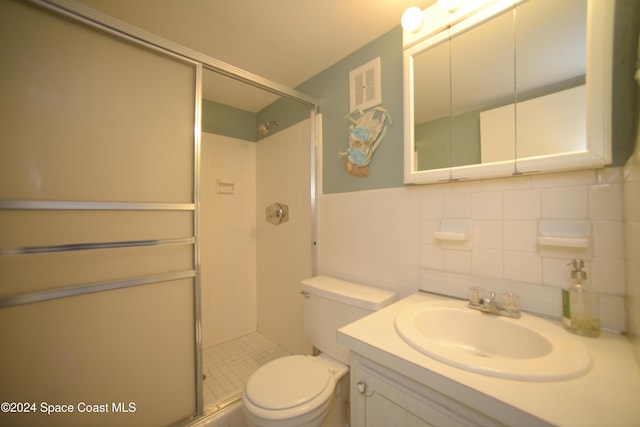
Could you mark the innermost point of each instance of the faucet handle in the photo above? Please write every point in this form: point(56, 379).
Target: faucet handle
point(476, 293)
point(510, 301)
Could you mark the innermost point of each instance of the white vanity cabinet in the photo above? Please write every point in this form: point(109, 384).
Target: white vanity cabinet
point(381, 397)
point(394, 385)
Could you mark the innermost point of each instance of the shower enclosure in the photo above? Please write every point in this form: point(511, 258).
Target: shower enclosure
point(251, 264)
point(101, 299)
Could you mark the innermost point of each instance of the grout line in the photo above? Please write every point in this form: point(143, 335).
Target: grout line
point(230, 364)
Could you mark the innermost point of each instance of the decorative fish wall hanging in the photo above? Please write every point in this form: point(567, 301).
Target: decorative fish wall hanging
point(366, 132)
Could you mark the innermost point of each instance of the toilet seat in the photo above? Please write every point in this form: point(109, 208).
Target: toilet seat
point(288, 382)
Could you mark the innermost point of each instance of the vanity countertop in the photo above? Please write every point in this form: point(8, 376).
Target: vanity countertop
point(608, 395)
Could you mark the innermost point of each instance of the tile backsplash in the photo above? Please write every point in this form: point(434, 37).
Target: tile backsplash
point(632, 244)
point(386, 237)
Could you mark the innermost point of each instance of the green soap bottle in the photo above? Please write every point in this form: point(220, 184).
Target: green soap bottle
point(580, 305)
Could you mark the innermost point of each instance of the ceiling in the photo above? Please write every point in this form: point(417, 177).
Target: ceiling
point(285, 41)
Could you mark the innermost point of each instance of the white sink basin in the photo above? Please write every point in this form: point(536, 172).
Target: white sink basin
point(529, 348)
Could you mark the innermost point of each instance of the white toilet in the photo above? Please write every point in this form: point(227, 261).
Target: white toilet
point(312, 390)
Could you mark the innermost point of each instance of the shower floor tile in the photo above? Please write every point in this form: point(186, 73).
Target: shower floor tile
point(229, 365)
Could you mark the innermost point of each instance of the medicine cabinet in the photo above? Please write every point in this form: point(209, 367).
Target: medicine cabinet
point(507, 87)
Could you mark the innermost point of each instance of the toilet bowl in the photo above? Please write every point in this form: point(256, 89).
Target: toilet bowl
point(293, 391)
point(312, 391)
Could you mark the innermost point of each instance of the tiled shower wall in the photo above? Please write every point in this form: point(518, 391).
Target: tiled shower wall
point(284, 250)
point(386, 237)
point(240, 249)
point(228, 238)
point(632, 234)
point(632, 238)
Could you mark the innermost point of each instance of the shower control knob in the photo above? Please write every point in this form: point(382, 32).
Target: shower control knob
point(362, 387)
point(277, 213)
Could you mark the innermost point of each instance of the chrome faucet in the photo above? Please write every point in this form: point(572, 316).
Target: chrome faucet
point(509, 304)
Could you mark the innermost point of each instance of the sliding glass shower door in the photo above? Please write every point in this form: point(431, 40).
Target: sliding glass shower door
point(256, 152)
point(98, 257)
point(100, 294)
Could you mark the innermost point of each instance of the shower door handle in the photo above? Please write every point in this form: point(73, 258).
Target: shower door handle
point(277, 213)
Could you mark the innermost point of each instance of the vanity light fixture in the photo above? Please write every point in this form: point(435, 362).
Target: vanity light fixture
point(412, 19)
point(449, 5)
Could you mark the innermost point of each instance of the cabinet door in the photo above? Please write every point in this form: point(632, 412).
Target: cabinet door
point(380, 411)
point(378, 401)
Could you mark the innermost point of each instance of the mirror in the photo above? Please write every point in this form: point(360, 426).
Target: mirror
point(503, 90)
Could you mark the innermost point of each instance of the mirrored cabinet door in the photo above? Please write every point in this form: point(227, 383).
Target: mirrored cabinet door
point(511, 87)
point(432, 112)
point(482, 78)
point(550, 78)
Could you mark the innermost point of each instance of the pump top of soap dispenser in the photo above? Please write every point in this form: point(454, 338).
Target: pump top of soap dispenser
point(577, 272)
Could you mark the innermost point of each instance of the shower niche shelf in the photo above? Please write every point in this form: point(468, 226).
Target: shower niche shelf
point(225, 187)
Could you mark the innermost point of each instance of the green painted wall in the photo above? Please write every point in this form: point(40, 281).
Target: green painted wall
point(224, 120)
point(331, 88)
point(433, 142)
point(429, 138)
point(284, 110)
point(625, 105)
point(228, 121)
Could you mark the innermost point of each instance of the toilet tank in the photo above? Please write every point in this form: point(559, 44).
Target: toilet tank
point(333, 303)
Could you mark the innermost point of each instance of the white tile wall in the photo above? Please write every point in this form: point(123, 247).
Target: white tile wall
point(228, 239)
point(385, 237)
point(631, 214)
point(233, 259)
point(284, 251)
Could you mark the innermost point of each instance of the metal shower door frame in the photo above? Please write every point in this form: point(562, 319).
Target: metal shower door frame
point(88, 16)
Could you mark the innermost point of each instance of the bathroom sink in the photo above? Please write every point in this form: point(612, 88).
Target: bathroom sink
point(529, 348)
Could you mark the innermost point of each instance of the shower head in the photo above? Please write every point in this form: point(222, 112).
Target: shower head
point(264, 128)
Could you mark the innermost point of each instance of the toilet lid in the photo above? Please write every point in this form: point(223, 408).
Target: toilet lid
point(287, 382)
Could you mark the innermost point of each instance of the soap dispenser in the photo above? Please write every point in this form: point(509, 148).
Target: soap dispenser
point(579, 304)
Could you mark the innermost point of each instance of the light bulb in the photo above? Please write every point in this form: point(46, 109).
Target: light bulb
point(412, 19)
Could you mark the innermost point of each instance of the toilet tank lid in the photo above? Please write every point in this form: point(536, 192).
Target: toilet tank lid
point(366, 297)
